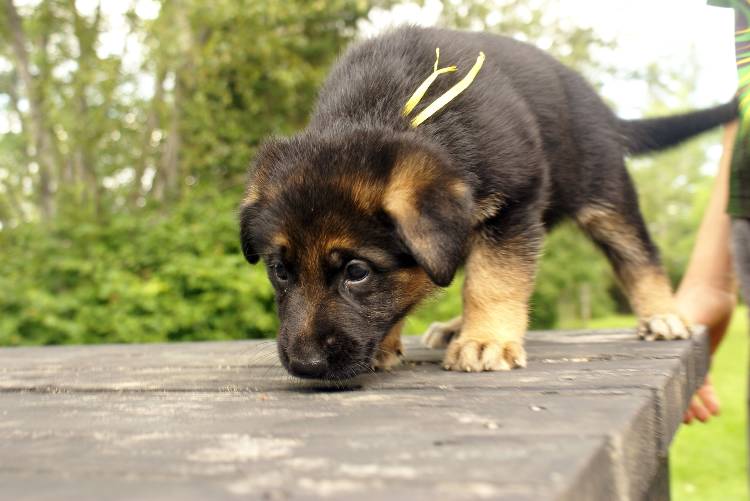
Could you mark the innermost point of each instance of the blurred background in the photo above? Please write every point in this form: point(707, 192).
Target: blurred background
point(127, 127)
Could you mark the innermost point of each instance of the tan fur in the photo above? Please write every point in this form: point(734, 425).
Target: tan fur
point(366, 193)
point(252, 196)
point(253, 193)
point(499, 282)
point(280, 240)
point(650, 294)
point(391, 349)
point(488, 208)
point(316, 254)
point(416, 185)
point(645, 283)
point(413, 285)
point(408, 178)
point(333, 242)
point(649, 290)
point(458, 189)
point(606, 224)
point(439, 334)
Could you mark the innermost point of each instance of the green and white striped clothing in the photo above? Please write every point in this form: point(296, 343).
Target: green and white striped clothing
point(739, 181)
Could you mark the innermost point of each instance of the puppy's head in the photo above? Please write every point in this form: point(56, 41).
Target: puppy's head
point(355, 230)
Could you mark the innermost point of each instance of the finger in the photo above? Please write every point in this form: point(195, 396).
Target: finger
point(701, 413)
point(709, 399)
point(688, 417)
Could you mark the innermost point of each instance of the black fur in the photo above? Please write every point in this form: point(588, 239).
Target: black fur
point(529, 137)
point(650, 134)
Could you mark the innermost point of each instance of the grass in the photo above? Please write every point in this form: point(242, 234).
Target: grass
point(709, 461)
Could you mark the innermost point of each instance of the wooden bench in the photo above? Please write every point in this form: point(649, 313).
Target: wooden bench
point(591, 417)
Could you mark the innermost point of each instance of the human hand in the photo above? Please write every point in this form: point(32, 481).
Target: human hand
point(703, 405)
point(713, 308)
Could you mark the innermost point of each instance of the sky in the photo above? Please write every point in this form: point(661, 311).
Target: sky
point(667, 32)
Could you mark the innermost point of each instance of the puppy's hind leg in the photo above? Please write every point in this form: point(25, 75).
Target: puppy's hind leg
point(440, 334)
point(621, 233)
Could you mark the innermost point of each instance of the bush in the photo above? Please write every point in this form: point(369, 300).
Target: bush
point(133, 278)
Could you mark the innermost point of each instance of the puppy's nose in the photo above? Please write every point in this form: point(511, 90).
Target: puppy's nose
point(312, 367)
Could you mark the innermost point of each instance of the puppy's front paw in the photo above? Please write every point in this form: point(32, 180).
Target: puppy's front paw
point(440, 334)
point(476, 355)
point(668, 326)
point(385, 360)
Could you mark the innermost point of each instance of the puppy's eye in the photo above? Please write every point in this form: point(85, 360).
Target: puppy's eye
point(281, 274)
point(356, 271)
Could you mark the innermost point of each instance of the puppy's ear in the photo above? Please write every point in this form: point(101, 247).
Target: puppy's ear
point(248, 215)
point(432, 210)
point(259, 189)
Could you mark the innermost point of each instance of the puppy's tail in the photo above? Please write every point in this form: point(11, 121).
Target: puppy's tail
point(653, 134)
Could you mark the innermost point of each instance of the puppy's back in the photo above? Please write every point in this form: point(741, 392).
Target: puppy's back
point(373, 79)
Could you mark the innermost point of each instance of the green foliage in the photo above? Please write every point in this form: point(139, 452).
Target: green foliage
point(573, 281)
point(251, 69)
point(144, 278)
point(443, 306)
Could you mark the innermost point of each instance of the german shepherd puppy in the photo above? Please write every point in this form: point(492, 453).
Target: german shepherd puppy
point(362, 215)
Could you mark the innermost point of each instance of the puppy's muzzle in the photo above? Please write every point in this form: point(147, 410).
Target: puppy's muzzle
point(307, 361)
point(312, 367)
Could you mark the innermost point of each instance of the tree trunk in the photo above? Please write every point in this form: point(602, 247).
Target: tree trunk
point(40, 134)
point(84, 138)
point(170, 168)
point(152, 123)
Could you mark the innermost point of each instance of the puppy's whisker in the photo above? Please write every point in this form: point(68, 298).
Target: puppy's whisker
point(265, 361)
point(271, 348)
point(256, 345)
point(270, 368)
point(260, 358)
point(258, 348)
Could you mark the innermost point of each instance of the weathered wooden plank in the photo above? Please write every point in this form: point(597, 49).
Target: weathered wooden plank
point(557, 361)
point(590, 418)
point(663, 377)
point(504, 443)
point(530, 475)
